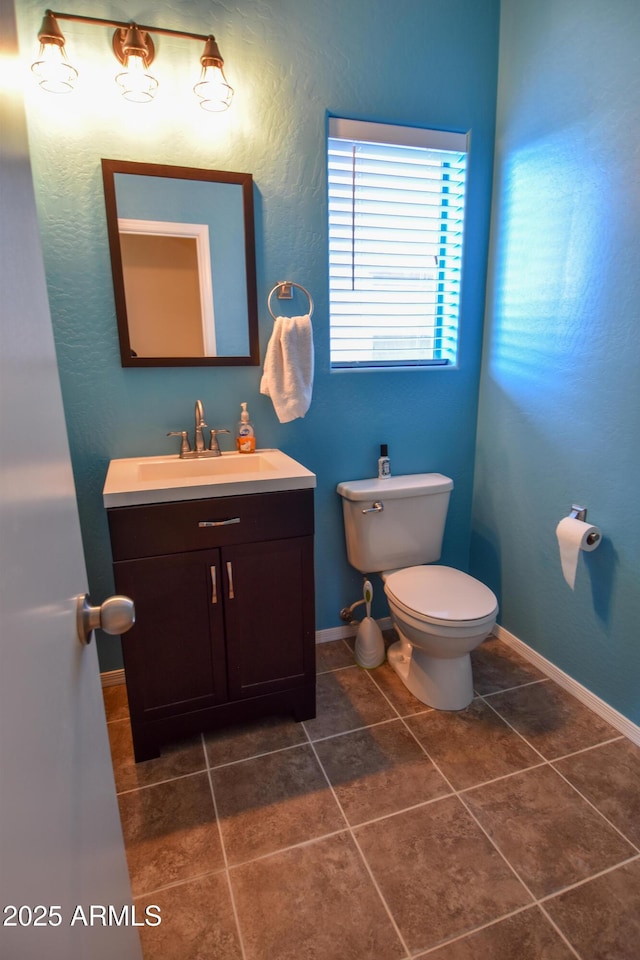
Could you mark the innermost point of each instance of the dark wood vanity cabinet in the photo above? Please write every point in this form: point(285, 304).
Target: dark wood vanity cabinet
point(225, 625)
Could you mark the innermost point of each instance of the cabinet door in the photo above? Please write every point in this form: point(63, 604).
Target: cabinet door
point(174, 654)
point(269, 616)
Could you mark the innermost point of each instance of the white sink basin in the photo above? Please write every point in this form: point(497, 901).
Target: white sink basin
point(161, 479)
point(226, 465)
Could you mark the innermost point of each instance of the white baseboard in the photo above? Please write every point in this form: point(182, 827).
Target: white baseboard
point(349, 630)
point(599, 707)
point(112, 678)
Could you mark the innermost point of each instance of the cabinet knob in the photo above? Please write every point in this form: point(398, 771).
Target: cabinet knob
point(116, 615)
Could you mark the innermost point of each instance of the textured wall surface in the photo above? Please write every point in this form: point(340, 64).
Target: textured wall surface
point(292, 62)
point(560, 399)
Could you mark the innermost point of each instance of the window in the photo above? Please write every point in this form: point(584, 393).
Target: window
point(396, 218)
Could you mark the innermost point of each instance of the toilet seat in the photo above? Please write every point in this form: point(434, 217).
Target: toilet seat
point(440, 595)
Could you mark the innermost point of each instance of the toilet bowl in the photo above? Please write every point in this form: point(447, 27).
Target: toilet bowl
point(441, 615)
point(395, 526)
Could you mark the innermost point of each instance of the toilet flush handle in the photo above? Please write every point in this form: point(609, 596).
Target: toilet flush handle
point(378, 507)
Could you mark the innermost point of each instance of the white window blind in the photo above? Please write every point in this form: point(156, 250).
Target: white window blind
point(396, 221)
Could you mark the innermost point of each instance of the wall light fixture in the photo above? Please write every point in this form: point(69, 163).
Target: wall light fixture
point(134, 49)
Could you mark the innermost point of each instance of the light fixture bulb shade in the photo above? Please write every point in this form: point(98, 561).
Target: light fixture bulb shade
point(137, 85)
point(52, 70)
point(212, 89)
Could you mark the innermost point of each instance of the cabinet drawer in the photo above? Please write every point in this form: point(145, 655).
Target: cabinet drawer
point(162, 528)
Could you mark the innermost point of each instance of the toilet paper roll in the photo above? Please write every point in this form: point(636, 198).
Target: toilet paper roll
point(573, 536)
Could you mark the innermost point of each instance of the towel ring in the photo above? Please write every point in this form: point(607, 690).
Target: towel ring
point(285, 296)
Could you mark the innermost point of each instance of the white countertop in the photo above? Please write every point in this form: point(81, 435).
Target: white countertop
point(139, 480)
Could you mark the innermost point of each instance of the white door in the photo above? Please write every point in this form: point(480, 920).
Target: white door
point(60, 837)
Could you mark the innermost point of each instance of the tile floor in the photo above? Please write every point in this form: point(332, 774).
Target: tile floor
point(383, 830)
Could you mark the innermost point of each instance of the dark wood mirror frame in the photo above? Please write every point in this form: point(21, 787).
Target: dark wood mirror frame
point(245, 180)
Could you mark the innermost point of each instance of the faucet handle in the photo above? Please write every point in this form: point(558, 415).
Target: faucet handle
point(184, 444)
point(213, 442)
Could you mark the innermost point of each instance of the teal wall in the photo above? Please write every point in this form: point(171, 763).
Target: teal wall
point(559, 416)
point(292, 63)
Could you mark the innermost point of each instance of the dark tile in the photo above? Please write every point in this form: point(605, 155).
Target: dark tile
point(545, 830)
point(472, 746)
point(552, 721)
point(315, 902)
point(333, 655)
point(609, 776)
point(526, 936)
point(175, 760)
point(197, 922)
point(347, 699)
point(438, 872)
point(272, 802)
point(170, 832)
point(601, 918)
point(116, 704)
point(396, 692)
point(252, 739)
point(378, 771)
point(497, 667)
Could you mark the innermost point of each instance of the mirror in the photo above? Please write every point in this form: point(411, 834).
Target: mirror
point(183, 262)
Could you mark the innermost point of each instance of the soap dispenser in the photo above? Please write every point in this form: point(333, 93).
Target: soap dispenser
point(246, 438)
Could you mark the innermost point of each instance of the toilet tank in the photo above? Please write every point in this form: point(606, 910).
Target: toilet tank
point(408, 530)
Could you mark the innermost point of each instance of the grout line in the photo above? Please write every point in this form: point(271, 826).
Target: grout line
point(225, 859)
point(292, 846)
point(503, 776)
point(518, 877)
point(594, 746)
point(483, 926)
point(157, 783)
point(550, 762)
point(558, 930)
point(599, 812)
point(345, 733)
point(582, 883)
point(380, 690)
point(119, 720)
point(395, 813)
point(459, 794)
point(255, 756)
point(517, 686)
point(513, 870)
point(511, 727)
point(575, 689)
point(178, 883)
point(364, 860)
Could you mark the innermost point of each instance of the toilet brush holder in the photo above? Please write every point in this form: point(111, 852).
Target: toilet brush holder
point(370, 651)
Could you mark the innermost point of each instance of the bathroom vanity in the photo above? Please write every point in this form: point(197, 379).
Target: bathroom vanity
point(220, 568)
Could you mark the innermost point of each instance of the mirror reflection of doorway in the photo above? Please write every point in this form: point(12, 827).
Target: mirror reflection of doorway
point(167, 279)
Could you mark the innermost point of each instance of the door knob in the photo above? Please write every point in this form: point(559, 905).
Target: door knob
point(116, 615)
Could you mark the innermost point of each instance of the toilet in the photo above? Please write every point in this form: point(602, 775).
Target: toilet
point(394, 526)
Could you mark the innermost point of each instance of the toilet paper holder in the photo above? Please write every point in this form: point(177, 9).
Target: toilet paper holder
point(580, 513)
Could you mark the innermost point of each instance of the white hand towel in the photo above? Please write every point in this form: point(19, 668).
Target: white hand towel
point(288, 367)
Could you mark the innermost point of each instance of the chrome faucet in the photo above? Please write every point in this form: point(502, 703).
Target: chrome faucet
point(186, 453)
point(198, 438)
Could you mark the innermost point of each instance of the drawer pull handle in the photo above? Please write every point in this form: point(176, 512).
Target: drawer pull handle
point(218, 523)
point(230, 576)
point(214, 588)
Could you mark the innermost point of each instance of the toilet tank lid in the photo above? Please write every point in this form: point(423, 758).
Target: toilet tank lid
point(411, 484)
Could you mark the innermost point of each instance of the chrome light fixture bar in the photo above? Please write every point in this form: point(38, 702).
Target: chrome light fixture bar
point(134, 49)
